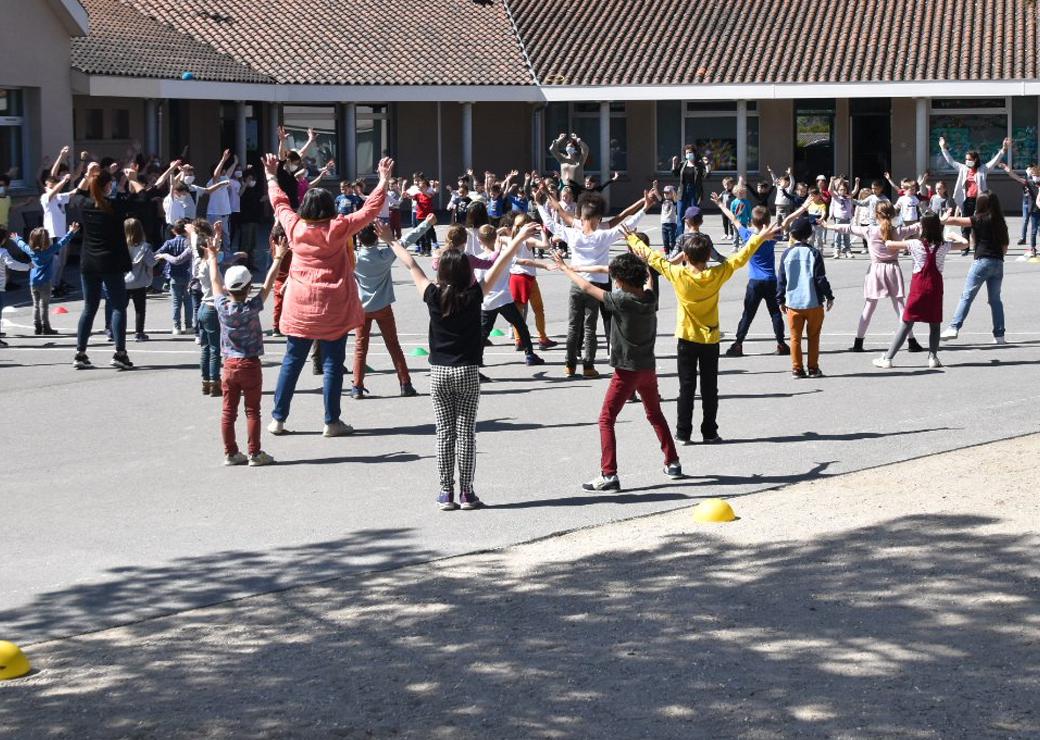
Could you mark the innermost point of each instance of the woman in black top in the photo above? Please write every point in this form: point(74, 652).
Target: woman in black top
point(691, 173)
point(990, 234)
point(456, 348)
point(104, 257)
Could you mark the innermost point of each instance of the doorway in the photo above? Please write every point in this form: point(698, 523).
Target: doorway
point(871, 145)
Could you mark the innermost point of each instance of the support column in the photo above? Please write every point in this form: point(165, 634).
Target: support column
point(467, 136)
point(538, 138)
point(240, 132)
point(604, 146)
point(742, 138)
point(349, 153)
point(440, 159)
point(921, 132)
point(151, 127)
point(274, 120)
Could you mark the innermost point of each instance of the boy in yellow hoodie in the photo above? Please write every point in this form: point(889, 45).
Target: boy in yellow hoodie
point(697, 289)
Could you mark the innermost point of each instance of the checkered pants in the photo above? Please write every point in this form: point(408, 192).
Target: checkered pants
point(456, 395)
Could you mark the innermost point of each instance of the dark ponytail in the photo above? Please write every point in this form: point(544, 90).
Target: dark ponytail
point(454, 275)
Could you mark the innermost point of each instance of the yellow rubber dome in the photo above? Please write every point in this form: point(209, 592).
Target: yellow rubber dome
point(13, 662)
point(713, 510)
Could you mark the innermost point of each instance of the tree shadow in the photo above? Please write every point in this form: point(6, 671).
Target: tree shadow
point(918, 626)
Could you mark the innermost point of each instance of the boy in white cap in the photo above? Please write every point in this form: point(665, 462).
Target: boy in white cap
point(242, 344)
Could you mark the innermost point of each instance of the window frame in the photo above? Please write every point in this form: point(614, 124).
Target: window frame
point(572, 115)
point(334, 133)
point(19, 122)
point(1005, 110)
point(359, 115)
point(751, 109)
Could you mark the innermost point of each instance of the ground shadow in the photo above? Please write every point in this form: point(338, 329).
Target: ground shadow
point(846, 437)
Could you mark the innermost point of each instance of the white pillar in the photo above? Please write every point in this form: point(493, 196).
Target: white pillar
point(742, 138)
point(151, 127)
point(467, 136)
point(274, 120)
point(538, 138)
point(240, 132)
point(440, 161)
point(921, 129)
point(349, 154)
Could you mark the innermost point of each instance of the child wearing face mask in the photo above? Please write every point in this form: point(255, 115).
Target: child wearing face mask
point(235, 198)
point(251, 201)
point(1031, 211)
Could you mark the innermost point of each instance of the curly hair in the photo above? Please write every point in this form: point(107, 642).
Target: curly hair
point(628, 269)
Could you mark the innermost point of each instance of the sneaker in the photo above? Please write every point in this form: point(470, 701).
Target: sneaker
point(882, 362)
point(712, 440)
point(1021, 242)
point(469, 501)
point(140, 337)
point(783, 349)
point(121, 361)
point(177, 331)
point(999, 340)
point(81, 361)
point(236, 459)
point(37, 330)
point(533, 359)
point(684, 441)
point(408, 390)
point(260, 458)
point(797, 373)
point(590, 372)
point(547, 344)
point(933, 362)
point(358, 392)
point(674, 470)
point(337, 429)
point(603, 483)
point(914, 346)
point(735, 350)
point(446, 501)
point(198, 340)
point(949, 333)
point(277, 428)
point(569, 372)
point(815, 372)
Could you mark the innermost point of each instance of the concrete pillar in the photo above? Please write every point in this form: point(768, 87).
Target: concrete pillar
point(742, 138)
point(538, 138)
point(604, 147)
point(467, 136)
point(349, 153)
point(151, 127)
point(921, 133)
point(240, 132)
point(274, 120)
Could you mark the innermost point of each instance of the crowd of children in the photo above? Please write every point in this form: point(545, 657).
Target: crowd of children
point(331, 261)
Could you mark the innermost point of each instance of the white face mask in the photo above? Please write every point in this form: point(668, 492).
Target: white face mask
point(238, 174)
point(571, 151)
point(3, 191)
point(188, 179)
point(690, 157)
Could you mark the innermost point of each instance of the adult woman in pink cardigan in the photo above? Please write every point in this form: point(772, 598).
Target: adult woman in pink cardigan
point(321, 298)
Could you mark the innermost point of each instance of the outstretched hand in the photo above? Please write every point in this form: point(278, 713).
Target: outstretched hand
point(385, 168)
point(271, 164)
point(281, 247)
point(383, 231)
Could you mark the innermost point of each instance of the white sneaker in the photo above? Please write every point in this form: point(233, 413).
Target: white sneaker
point(338, 429)
point(177, 332)
point(603, 483)
point(999, 340)
point(237, 459)
point(949, 333)
point(276, 427)
point(260, 458)
point(198, 341)
point(883, 362)
point(933, 362)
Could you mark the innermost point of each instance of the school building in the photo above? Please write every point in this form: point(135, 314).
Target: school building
point(446, 85)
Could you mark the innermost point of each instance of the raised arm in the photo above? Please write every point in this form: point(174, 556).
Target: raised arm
point(311, 138)
point(717, 200)
point(281, 248)
point(218, 171)
point(418, 276)
point(373, 204)
point(888, 179)
point(999, 155)
point(506, 256)
point(58, 187)
point(212, 257)
point(556, 149)
point(583, 152)
point(636, 209)
point(1011, 173)
point(322, 173)
point(561, 212)
point(946, 155)
point(283, 136)
point(215, 186)
point(59, 160)
point(797, 213)
point(283, 212)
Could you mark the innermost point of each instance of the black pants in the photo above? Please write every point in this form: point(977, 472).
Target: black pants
point(967, 210)
point(582, 317)
point(758, 291)
point(698, 359)
point(511, 314)
point(425, 243)
point(139, 297)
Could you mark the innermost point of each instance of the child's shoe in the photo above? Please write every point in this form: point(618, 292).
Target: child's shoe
point(121, 361)
point(857, 345)
point(142, 337)
point(177, 331)
point(570, 371)
point(37, 329)
point(277, 428)
point(797, 373)
point(546, 343)
point(358, 392)
point(883, 362)
point(735, 350)
point(206, 385)
point(81, 361)
point(533, 359)
point(408, 390)
point(260, 458)
point(216, 389)
point(914, 346)
point(783, 349)
point(337, 429)
point(446, 501)
point(674, 470)
point(469, 501)
point(236, 459)
point(815, 372)
point(603, 483)
point(590, 372)
point(933, 362)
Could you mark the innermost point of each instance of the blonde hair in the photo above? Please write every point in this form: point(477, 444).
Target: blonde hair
point(39, 239)
point(885, 213)
point(134, 232)
point(486, 234)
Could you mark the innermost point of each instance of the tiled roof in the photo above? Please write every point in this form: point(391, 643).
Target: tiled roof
point(673, 42)
point(340, 42)
point(126, 43)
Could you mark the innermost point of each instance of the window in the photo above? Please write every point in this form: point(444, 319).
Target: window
point(121, 124)
point(12, 142)
point(813, 138)
point(970, 124)
point(1024, 132)
point(709, 126)
point(373, 137)
point(583, 120)
point(95, 124)
point(322, 118)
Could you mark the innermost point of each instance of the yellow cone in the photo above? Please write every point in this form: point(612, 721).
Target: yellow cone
point(713, 510)
point(13, 662)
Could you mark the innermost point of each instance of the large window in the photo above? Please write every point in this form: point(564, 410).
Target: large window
point(95, 124)
point(12, 141)
point(709, 126)
point(322, 118)
point(583, 119)
point(814, 139)
point(982, 124)
point(121, 123)
point(373, 137)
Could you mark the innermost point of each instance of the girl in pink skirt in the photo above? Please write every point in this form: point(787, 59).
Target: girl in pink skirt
point(884, 278)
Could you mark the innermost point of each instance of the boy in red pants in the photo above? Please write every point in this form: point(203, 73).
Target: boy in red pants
point(242, 344)
point(632, 335)
point(277, 236)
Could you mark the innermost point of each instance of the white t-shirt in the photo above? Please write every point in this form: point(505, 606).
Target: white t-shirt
point(219, 200)
point(176, 208)
point(589, 249)
point(54, 214)
point(909, 208)
point(524, 253)
point(499, 294)
point(234, 195)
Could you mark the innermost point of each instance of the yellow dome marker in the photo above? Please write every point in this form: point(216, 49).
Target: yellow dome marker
point(713, 510)
point(13, 662)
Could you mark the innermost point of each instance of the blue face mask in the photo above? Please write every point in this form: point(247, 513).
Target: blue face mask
point(690, 157)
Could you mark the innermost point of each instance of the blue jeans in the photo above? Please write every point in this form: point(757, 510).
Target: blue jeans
point(296, 351)
point(209, 332)
point(196, 303)
point(1033, 222)
point(1027, 206)
point(115, 288)
point(991, 272)
point(179, 302)
point(668, 232)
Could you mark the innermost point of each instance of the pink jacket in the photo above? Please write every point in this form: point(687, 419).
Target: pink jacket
point(321, 296)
